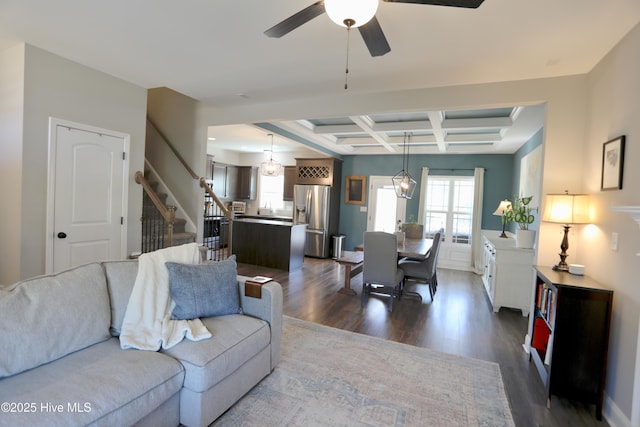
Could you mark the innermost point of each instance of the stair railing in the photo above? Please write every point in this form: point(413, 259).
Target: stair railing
point(173, 149)
point(156, 219)
point(218, 225)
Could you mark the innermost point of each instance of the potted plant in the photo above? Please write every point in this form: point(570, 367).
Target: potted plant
point(521, 213)
point(412, 229)
point(399, 232)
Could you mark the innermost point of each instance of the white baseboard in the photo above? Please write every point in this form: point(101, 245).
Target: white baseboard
point(614, 416)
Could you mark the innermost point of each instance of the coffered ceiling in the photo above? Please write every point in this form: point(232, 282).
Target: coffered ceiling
point(493, 130)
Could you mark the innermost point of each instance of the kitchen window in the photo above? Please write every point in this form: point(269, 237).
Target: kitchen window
point(271, 192)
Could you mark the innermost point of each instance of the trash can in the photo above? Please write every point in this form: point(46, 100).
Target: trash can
point(338, 242)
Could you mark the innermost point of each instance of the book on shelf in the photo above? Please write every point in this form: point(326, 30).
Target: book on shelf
point(552, 309)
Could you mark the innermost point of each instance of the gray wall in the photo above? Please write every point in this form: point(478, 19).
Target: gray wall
point(11, 124)
point(59, 88)
point(614, 108)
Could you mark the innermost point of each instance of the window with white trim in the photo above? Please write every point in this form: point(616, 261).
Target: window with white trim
point(449, 205)
point(271, 190)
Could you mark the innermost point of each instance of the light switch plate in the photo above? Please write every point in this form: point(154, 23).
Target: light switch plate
point(363, 208)
point(614, 241)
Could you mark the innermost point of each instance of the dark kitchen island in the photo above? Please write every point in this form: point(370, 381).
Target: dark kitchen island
point(270, 243)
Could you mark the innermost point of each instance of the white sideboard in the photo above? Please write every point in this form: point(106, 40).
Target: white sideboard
point(508, 272)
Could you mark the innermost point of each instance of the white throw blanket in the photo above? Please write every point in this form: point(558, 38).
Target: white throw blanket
point(147, 323)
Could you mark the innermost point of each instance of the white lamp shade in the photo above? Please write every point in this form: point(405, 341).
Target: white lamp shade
point(504, 206)
point(567, 209)
point(360, 11)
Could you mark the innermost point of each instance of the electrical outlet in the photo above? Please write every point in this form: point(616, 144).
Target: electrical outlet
point(614, 241)
point(363, 208)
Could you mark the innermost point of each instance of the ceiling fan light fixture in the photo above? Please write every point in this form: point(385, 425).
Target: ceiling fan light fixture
point(354, 12)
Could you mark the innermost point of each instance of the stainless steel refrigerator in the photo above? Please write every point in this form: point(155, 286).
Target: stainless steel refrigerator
point(312, 206)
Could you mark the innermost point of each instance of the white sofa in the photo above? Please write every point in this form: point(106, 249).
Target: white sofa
point(62, 365)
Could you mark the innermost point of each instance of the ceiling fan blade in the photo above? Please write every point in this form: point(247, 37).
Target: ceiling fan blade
point(472, 4)
point(374, 38)
point(294, 21)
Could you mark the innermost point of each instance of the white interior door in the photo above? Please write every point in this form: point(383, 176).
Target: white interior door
point(88, 197)
point(385, 208)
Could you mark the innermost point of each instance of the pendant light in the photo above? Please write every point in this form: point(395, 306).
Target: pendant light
point(270, 167)
point(403, 182)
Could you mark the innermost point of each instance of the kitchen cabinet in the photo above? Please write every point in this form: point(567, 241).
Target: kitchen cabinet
point(247, 177)
point(569, 333)
point(319, 171)
point(508, 272)
point(290, 174)
point(220, 180)
point(234, 182)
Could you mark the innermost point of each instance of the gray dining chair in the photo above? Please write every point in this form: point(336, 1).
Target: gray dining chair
point(424, 271)
point(380, 271)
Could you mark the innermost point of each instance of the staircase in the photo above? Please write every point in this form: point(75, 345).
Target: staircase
point(160, 227)
point(155, 228)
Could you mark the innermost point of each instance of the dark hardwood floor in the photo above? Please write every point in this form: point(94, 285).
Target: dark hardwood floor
point(459, 321)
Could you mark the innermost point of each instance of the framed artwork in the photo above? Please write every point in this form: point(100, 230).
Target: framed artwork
point(356, 190)
point(612, 164)
point(531, 176)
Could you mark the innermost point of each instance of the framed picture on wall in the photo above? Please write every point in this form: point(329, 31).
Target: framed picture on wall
point(356, 190)
point(612, 164)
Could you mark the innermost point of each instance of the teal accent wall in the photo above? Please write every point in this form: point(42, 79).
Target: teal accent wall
point(498, 181)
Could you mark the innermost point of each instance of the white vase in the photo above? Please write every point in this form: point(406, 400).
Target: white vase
point(525, 239)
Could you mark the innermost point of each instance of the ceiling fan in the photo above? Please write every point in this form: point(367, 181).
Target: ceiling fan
point(361, 15)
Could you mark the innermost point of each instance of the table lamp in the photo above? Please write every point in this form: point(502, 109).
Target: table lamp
point(504, 206)
point(567, 209)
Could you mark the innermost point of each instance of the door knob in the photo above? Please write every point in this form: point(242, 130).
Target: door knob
point(62, 235)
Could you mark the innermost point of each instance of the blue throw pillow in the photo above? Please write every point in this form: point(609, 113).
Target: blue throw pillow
point(204, 290)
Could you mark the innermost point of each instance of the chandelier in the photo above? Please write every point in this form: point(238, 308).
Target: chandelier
point(403, 182)
point(270, 167)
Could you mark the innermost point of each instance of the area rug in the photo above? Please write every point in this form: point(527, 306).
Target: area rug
point(331, 377)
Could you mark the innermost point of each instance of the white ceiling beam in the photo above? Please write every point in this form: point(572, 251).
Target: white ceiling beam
point(436, 118)
point(394, 140)
point(326, 141)
point(366, 124)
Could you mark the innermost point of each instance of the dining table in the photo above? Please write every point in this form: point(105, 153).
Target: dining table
point(410, 248)
point(353, 261)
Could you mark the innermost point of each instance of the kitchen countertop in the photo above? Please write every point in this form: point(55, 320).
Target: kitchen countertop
point(272, 217)
point(268, 221)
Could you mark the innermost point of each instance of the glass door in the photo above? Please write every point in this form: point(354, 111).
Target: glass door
point(385, 208)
